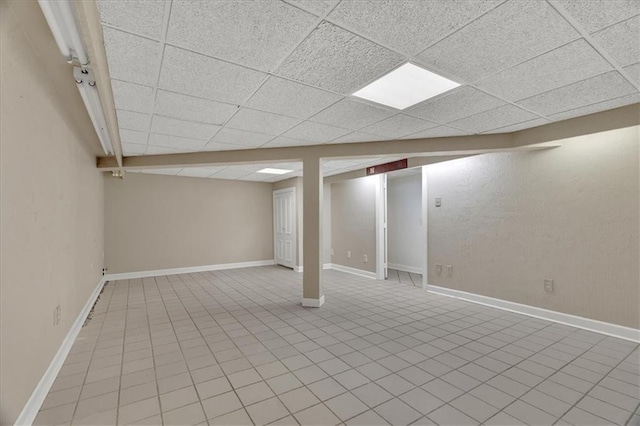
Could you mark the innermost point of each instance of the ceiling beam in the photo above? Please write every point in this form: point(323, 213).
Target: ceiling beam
point(88, 21)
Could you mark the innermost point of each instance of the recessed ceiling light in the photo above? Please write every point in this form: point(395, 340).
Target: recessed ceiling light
point(405, 86)
point(274, 171)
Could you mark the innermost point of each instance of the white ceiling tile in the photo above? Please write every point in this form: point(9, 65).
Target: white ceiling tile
point(568, 64)
point(356, 137)
point(287, 166)
point(256, 34)
point(262, 122)
point(586, 92)
point(458, 103)
point(597, 107)
point(175, 142)
point(153, 150)
point(171, 172)
point(500, 117)
point(594, 15)
point(511, 33)
point(315, 132)
point(437, 132)
point(142, 17)
point(400, 24)
point(132, 58)
point(230, 173)
point(286, 97)
point(398, 126)
point(241, 137)
point(193, 109)
point(319, 7)
point(520, 126)
point(133, 136)
point(182, 128)
point(200, 171)
point(282, 141)
point(621, 41)
point(133, 120)
point(337, 60)
point(197, 75)
point(219, 146)
point(132, 97)
point(133, 149)
point(258, 177)
point(351, 114)
point(634, 72)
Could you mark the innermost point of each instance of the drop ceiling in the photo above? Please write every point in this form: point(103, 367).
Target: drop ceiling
point(220, 75)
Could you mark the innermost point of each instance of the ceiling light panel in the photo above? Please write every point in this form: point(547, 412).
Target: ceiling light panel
point(271, 171)
point(509, 34)
point(338, 60)
point(406, 86)
point(256, 34)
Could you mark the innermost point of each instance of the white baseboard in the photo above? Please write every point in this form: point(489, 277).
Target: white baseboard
point(301, 268)
point(619, 331)
point(405, 268)
point(313, 303)
point(353, 271)
point(31, 408)
point(188, 270)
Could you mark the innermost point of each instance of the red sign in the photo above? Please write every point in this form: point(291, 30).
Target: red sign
point(387, 167)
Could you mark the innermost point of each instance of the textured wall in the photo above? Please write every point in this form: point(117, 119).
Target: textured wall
point(51, 206)
point(405, 244)
point(158, 222)
point(353, 219)
point(508, 221)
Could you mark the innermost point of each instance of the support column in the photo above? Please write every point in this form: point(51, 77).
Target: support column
point(312, 294)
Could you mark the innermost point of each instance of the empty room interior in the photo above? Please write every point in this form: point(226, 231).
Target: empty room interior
point(320, 212)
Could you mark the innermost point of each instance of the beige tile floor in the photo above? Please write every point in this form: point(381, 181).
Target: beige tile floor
point(235, 347)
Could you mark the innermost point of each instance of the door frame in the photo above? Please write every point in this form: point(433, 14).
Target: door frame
point(294, 247)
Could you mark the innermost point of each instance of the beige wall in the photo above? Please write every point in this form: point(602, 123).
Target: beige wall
point(51, 224)
point(571, 214)
point(353, 221)
point(159, 222)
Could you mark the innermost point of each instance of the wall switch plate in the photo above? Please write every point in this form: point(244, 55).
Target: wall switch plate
point(449, 270)
point(57, 313)
point(348, 254)
point(548, 286)
point(438, 269)
point(438, 202)
point(365, 258)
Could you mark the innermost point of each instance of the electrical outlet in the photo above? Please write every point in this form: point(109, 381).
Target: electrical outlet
point(365, 258)
point(348, 254)
point(438, 202)
point(449, 270)
point(438, 269)
point(548, 286)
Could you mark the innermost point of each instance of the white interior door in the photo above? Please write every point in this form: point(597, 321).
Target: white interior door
point(284, 226)
point(381, 227)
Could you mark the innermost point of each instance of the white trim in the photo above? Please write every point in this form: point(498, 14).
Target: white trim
point(31, 408)
point(188, 270)
point(619, 331)
point(354, 271)
point(313, 303)
point(406, 268)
